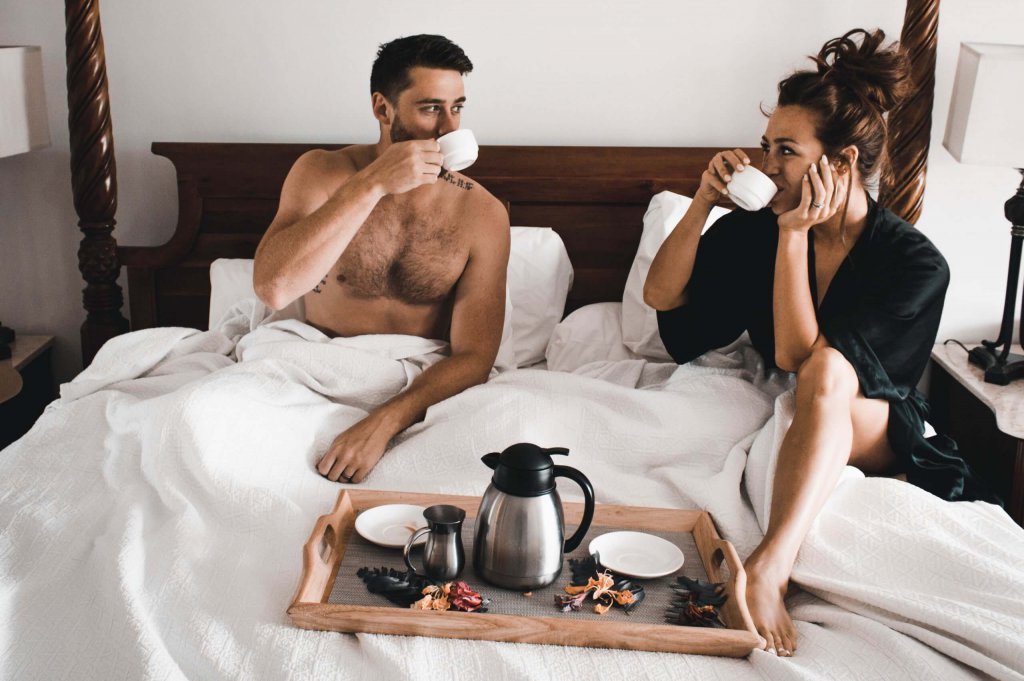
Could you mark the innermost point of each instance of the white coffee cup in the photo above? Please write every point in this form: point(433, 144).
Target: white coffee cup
point(750, 189)
point(459, 148)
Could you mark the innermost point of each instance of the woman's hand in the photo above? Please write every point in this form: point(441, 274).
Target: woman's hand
point(719, 173)
point(822, 195)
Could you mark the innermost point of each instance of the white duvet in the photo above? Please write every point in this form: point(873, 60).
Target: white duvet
point(152, 520)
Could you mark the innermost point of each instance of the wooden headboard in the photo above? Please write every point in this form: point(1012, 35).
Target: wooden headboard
point(594, 197)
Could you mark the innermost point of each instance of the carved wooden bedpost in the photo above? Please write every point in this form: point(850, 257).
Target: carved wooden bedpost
point(910, 124)
point(93, 175)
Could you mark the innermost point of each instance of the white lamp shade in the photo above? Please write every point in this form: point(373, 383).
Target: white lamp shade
point(23, 122)
point(985, 124)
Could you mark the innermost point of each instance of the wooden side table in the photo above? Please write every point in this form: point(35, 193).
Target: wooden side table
point(986, 420)
point(31, 358)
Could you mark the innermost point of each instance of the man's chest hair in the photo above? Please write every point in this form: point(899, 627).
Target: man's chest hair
point(405, 254)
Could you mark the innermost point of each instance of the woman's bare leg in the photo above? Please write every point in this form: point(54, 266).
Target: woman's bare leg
point(833, 425)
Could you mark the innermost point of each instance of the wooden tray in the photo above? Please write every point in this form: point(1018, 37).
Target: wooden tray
point(323, 553)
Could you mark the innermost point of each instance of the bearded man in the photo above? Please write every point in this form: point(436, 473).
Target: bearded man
point(380, 239)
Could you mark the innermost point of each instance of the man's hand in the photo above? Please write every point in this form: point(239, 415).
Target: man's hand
point(406, 165)
point(355, 452)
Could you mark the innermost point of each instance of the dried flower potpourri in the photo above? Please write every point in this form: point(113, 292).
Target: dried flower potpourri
point(696, 604)
point(413, 591)
point(400, 587)
point(583, 570)
point(599, 585)
point(449, 596)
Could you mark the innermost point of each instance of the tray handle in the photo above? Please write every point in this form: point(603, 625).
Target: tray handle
point(735, 608)
point(320, 555)
point(725, 552)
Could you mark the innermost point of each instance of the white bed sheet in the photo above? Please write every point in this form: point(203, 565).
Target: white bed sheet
point(151, 522)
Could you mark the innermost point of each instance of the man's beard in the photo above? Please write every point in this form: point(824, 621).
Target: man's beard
point(400, 133)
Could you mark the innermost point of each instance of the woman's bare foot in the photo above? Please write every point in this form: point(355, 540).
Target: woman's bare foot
point(766, 588)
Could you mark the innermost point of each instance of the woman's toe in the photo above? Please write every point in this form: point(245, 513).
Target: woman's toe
point(791, 642)
point(769, 642)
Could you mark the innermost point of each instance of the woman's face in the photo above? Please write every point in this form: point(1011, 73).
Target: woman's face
point(790, 148)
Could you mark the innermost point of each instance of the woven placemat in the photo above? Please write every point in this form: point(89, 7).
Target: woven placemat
point(349, 589)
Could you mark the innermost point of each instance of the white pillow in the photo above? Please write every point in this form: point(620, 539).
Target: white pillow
point(590, 334)
point(506, 358)
point(230, 282)
point(640, 320)
point(539, 278)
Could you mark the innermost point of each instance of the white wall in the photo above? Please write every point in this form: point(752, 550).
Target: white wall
point(659, 72)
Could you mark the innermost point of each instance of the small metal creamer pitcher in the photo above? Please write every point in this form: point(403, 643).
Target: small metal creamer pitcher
point(443, 555)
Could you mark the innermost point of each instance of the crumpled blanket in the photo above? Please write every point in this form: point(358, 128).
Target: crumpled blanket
point(151, 522)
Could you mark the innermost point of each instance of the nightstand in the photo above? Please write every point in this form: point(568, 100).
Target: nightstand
point(31, 358)
point(986, 420)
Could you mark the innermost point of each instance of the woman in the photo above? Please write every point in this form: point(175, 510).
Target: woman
point(829, 285)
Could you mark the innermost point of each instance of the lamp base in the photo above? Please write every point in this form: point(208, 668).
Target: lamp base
point(6, 338)
point(997, 370)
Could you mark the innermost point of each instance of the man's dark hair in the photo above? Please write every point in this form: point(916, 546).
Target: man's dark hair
point(390, 74)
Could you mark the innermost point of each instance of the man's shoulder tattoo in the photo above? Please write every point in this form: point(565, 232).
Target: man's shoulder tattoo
point(458, 182)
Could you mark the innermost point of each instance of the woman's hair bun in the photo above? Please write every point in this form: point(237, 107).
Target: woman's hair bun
point(880, 76)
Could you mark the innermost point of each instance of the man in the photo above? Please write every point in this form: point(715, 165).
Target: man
point(381, 239)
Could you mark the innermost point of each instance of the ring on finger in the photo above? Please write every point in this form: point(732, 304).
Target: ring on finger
point(346, 478)
point(816, 205)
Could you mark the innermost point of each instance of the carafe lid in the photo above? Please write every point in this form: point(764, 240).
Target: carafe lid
point(525, 469)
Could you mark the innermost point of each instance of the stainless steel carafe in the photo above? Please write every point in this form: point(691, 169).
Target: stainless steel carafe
point(519, 529)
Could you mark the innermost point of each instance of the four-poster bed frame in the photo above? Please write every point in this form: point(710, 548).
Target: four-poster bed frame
point(594, 197)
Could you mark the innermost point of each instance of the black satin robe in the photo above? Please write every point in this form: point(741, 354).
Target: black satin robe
point(881, 311)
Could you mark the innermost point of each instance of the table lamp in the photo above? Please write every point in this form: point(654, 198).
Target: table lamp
point(985, 127)
point(23, 122)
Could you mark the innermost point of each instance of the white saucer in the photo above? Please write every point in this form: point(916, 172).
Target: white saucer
point(391, 524)
point(637, 554)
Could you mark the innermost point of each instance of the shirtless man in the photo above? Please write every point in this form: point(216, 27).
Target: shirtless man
point(380, 239)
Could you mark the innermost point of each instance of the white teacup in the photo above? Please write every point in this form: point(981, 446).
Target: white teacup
point(750, 189)
point(459, 148)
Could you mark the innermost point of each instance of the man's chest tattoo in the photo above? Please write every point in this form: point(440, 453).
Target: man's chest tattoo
point(458, 182)
point(319, 288)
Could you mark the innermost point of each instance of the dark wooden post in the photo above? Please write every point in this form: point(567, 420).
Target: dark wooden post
point(910, 124)
point(93, 175)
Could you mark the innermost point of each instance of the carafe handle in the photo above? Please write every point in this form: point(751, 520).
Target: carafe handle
point(588, 505)
point(408, 548)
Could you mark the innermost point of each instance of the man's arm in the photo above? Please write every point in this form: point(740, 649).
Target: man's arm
point(477, 319)
point(316, 222)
